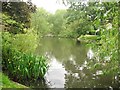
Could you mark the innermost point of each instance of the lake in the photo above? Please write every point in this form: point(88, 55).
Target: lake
point(68, 65)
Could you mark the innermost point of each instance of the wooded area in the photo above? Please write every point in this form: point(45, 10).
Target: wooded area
point(23, 24)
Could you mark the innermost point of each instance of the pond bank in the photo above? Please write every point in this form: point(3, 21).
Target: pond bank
point(87, 38)
point(5, 82)
point(80, 39)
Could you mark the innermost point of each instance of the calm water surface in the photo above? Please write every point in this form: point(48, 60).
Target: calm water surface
point(68, 65)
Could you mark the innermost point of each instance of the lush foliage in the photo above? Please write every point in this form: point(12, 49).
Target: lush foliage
point(57, 21)
point(82, 20)
point(97, 18)
point(22, 42)
point(108, 51)
point(18, 61)
point(25, 42)
point(19, 43)
point(47, 24)
point(11, 25)
point(40, 23)
point(23, 66)
point(65, 23)
point(17, 19)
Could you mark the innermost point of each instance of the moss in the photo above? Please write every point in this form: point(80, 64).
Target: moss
point(5, 82)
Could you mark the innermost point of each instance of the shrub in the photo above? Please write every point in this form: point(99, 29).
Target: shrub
point(11, 25)
point(18, 58)
point(22, 42)
point(25, 42)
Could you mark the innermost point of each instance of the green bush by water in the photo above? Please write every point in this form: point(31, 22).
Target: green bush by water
point(25, 42)
point(22, 42)
point(18, 60)
point(24, 66)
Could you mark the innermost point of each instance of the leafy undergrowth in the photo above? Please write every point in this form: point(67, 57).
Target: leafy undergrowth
point(5, 82)
point(18, 61)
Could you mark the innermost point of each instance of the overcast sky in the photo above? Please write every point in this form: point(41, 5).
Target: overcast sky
point(49, 5)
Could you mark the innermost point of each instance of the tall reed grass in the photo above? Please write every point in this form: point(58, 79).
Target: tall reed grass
point(24, 66)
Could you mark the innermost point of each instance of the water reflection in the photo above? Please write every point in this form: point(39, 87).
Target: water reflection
point(56, 69)
point(68, 65)
point(90, 54)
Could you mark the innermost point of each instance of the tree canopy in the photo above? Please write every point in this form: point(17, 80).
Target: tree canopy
point(19, 14)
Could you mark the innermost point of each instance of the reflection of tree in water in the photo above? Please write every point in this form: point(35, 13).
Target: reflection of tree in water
point(79, 76)
point(61, 49)
point(73, 58)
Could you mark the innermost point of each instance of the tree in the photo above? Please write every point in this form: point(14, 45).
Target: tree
point(102, 17)
point(57, 20)
point(78, 15)
point(39, 21)
point(21, 14)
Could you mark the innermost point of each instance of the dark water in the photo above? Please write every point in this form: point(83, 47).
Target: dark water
point(68, 65)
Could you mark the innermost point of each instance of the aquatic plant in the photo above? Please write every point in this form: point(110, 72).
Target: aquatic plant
point(22, 66)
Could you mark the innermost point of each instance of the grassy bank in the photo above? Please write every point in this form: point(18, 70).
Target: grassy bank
point(87, 38)
point(5, 82)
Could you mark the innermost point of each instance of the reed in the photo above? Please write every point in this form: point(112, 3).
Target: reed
point(23, 66)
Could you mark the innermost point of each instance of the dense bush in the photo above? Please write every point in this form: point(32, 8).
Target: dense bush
point(17, 18)
point(25, 42)
point(107, 52)
point(19, 43)
point(22, 42)
point(11, 25)
point(18, 59)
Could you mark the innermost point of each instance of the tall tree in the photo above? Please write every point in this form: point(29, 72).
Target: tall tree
point(39, 21)
point(19, 12)
point(57, 21)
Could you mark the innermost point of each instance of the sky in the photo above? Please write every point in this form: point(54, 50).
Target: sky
point(49, 5)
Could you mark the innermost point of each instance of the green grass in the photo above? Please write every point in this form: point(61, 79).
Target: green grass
point(5, 82)
point(88, 38)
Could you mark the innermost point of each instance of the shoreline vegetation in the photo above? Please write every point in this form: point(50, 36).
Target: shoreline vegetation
point(23, 26)
point(19, 42)
point(7, 83)
point(88, 38)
